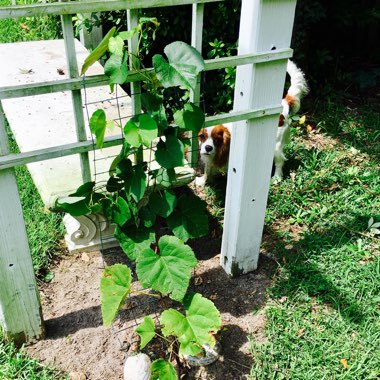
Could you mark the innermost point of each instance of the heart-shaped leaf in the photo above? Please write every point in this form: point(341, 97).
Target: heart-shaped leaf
point(140, 130)
point(121, 212)
point(98, 52)
point(189, 219)
point(195, 328)
point(163, 202)
point(114, 288)
point(146, 331)
point(134, 240)
point(98, 124)
point(116, 68)
point(170, 153)
point(183, 66)
point(191, 118)
point(116, 46)
point(163, 370)
point(168, 271)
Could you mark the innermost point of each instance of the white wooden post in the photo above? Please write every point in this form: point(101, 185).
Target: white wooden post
point(265, 25)
point(20, 312)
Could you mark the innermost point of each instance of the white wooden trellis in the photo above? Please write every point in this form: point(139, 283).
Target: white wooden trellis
point(264, 40)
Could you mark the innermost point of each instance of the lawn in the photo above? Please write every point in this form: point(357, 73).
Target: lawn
point(322, 313)
point(15, 365)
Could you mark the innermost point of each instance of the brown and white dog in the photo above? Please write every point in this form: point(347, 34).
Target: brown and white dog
point(214, 142)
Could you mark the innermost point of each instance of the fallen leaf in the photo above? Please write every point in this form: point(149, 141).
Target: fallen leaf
point(301, 332)
point(302, 120)
point(344, 363)
point(25, 27)
point(198, 281)
point(282, 299)
point(60, 71)
point(85, 257)
point(26, 71)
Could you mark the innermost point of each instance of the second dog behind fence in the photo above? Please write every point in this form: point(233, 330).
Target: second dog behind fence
point(214, 142)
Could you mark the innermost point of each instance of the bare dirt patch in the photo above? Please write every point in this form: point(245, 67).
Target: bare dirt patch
point(76, 341)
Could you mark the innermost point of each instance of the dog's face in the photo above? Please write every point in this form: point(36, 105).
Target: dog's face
point(214, 144)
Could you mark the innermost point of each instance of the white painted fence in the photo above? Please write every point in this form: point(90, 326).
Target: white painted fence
point(264, 41)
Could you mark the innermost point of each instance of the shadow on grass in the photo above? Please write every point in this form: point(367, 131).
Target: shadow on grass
point(303, 274)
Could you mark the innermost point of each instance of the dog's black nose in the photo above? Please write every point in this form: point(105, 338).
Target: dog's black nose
point(208, 148)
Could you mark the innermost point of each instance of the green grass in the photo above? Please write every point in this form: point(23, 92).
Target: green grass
point(323, 310)
point(14, 364)
point(28, 28)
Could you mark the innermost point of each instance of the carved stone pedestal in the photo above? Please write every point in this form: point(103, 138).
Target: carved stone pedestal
point(89, 233)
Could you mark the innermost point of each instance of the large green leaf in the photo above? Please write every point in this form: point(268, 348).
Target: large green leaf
point(121, 212)
point(98, 52)
point(138, 182)
point(153, 104)
point(114, 288)
point(183, 66)
point(140, 130)
point(146, 331)
point(191, 118)
point(74, 206)
point(170, 153)
point(98, 124)
point(169, 270)
point(163, 370)
point(116, 68)
point(134, 240)
point(189, 219)
point(195, 328)
point(162, 202)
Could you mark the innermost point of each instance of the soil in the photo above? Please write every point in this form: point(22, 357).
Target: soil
point(76, 341)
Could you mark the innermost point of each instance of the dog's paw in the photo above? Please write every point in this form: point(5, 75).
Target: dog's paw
point(276, 179)
point(200, 181)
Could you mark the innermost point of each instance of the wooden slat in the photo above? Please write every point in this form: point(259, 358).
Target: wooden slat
point(247, 59)
point(31, 89)
point(85, 146)
point(20, 312)
point(76, 95)
point(89, 6)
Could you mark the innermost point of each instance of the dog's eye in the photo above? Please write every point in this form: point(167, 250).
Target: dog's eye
point(202, 136)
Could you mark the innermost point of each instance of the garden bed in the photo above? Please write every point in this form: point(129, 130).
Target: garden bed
point(77, 342)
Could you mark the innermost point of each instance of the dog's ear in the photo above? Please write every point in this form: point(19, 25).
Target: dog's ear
point(221, 136)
